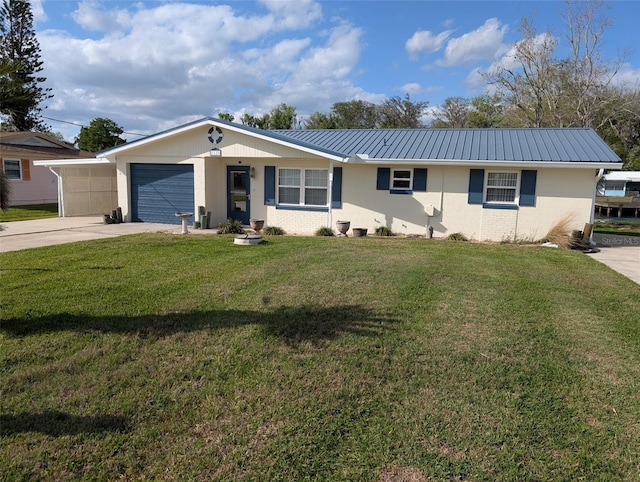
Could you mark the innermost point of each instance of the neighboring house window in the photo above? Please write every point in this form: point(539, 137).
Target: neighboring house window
point(12, 169)
point(614, 188)
point(501, 187)
point(303, 186)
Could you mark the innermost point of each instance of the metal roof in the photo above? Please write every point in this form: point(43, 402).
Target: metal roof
point(560, 144)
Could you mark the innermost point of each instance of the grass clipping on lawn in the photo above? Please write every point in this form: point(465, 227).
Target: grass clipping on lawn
point(561, 232)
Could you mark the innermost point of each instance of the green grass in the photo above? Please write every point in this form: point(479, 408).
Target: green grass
point(163, 357)
point(622, 228)
point(25, 213)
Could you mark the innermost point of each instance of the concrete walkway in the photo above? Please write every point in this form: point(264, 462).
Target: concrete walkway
point(18, 235)
point(620, 253)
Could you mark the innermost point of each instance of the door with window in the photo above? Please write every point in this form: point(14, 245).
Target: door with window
point(238, 193)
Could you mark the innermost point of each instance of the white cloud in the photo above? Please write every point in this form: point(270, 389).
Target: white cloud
point(481, 44)
point(413, 88)
point(90, 16)
point(294, 14)
point(151, 67)
point(425, 41)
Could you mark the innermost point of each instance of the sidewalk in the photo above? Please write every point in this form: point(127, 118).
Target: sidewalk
point(18, 235)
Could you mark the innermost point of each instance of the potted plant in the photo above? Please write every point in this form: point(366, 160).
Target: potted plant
point(359, 232)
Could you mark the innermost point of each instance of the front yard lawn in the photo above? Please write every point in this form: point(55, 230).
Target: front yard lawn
point(25, 213)
point(164, 357)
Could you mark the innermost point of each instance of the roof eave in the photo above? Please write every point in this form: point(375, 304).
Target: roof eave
point(491, 163)
point(72, 162)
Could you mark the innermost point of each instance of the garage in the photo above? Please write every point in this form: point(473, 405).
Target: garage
point(158, 191)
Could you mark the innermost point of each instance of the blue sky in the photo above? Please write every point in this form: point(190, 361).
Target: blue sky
point(153, 65)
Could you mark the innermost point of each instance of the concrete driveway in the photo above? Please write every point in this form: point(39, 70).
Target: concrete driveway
point(620, 253)
point(18, 235)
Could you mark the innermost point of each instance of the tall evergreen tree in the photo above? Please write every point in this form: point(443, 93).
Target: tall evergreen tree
point(21, 93)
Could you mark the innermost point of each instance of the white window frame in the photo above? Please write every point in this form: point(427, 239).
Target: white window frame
point(4, 168)
point(516, 188)
point(394, 178)
point(302, 187)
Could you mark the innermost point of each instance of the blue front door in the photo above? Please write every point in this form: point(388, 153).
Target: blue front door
point(238, 193)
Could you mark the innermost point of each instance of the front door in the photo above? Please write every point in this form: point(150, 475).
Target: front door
point(238, 193)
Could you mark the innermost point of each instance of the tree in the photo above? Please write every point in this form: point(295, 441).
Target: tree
point(318, 120)
point(453, 113)
point(588, 73)
point(100, 135)
point(352, 114)
point(225, 116)
point(486, 111)
point(621, 128)
point(397, 113)
point(282, 116)
point(528, 77)
point(561, 92)
point(21, 93)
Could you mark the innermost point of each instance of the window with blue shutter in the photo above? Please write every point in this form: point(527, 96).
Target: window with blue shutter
point(528, 188)
point(336, 189)
point(401, 181)
point(420, 179)
point(384, 177)
point(269, 185)
point(476, 186)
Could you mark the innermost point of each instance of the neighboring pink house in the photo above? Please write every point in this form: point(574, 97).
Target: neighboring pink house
point(32, 184)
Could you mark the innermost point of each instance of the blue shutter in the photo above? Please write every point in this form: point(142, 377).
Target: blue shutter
point(336, 190)
point(476, 186)
point(420, 179)
point(528, 188)
point(384, 178)
point(269, 185)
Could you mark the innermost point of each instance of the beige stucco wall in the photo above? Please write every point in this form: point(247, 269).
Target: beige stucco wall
point(89, 190)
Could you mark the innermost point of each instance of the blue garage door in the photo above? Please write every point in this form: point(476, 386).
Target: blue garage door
point(159, 191)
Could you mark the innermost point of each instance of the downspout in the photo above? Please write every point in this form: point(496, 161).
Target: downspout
point(592, 217)
point(60, 193)
point(330, 194)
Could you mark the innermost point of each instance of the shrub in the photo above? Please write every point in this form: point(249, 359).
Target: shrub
point(231, 226)
point(273, 231)
point(325, 231)
point(383, 231)
point(561, 233)
point(457, 237)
